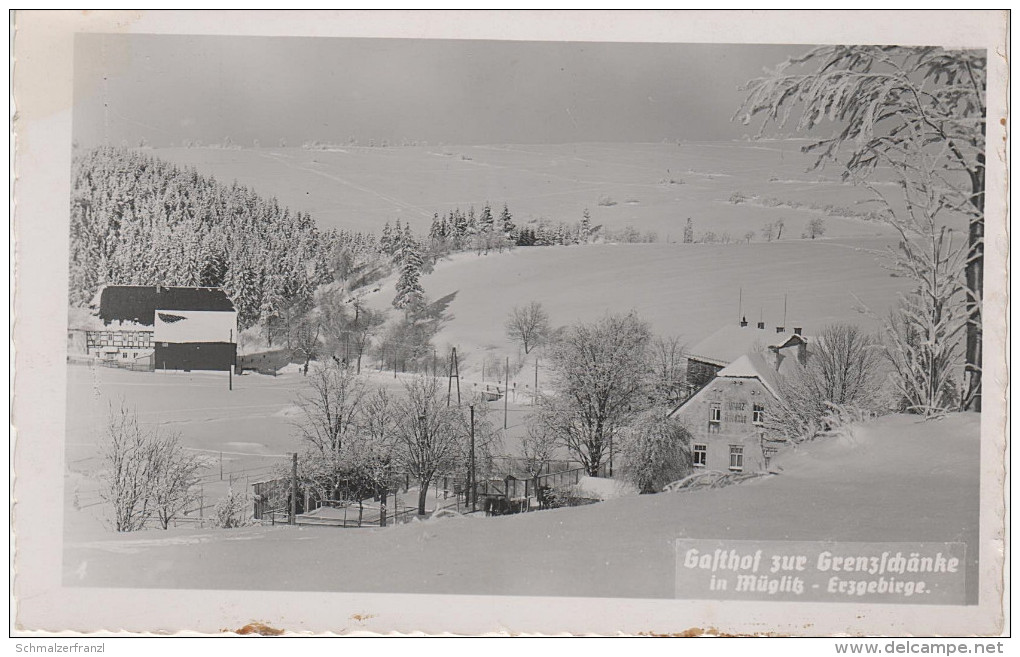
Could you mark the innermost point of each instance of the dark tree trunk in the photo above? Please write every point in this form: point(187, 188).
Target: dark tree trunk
point(423, 494)
point(975, 291)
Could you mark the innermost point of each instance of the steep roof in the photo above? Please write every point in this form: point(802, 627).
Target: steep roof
point(138, 303)
point(195, 326)
point(732, 341)
point(752, 366)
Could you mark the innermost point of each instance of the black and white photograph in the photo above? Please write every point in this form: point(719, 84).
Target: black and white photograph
point(701, 326)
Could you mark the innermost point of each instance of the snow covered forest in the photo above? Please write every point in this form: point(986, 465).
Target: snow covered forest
point(136, 219)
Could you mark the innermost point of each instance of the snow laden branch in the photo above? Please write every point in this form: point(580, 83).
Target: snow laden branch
point(329, 418)
point(842, 377)
point(916, 115)
point(430, 433)
point(601, 380)
point(146, 473)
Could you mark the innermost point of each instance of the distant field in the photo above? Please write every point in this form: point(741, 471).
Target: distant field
point(685, 290)
point(654, 187)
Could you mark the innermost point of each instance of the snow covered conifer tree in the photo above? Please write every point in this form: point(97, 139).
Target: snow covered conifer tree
point(584, 232)
point(485, 220)
point(506, 220)
point(410, 293)
point(386, 238)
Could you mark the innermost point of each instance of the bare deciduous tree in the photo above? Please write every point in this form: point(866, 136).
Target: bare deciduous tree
point(304, 338)
point(528, 325)
point(843, 371)
point(372, 452)
point(923, 332)
point(175, 474)
point(816, 227)
point(601, 383)
point(429, 433)
point(329, 418)
point(668, 367)
point(145, 473)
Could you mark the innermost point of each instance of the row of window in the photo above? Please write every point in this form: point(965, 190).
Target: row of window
point(715, 413)
point(700, 456)
point(140, 339)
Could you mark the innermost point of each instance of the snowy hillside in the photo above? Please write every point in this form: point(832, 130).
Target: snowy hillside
point(895, 479)
point(688, 290)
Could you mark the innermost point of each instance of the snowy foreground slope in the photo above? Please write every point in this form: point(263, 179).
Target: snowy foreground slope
point(895, 479)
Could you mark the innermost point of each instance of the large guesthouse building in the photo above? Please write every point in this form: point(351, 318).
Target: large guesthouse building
point(732, 376)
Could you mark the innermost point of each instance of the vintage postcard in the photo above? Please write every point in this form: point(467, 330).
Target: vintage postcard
point(510, 322)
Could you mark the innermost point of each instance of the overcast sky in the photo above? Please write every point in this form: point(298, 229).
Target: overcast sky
point(170, 88)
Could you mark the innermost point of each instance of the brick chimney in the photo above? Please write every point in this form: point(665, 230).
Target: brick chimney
point(743, 321)
point(780, 329)
point(761, 325)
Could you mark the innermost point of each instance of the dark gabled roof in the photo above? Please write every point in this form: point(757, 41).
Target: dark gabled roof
point(138, 303)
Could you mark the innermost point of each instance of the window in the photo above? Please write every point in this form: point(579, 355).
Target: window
point(736, 458)
point(715, 413)
point(714, 417)
point(758, 415)
point(700, 455)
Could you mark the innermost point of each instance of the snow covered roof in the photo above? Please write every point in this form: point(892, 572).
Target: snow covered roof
point(732, 341)
point(138, 303)
point(195, 326)
point(752, 366)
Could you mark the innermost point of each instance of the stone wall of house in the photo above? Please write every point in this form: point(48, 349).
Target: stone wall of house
point(722, 417)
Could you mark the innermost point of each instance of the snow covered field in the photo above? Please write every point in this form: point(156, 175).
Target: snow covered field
point(687, 290)
point(653, 187)
point(247, 433)
point(895, 479)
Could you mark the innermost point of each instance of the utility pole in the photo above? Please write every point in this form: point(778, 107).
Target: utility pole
point(506, 392)
point(536, 379)
point(221, 466)
point(454, 374)
point(472, 485)
point(292, 520)
point(230, 373)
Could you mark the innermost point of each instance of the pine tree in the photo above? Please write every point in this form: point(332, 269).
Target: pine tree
point(506, 220)
point(410, 293)
point(689, 232)
point(386, 239)
point(435, 230)
point(584, 234)
point(485, 220)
